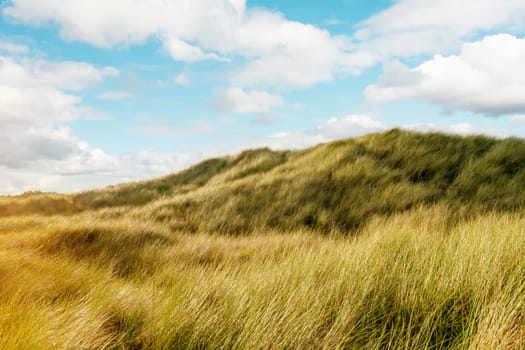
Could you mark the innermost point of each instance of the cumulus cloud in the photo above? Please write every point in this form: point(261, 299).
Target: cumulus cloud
point(458, 128)
point(462, 129)
point(238, 100)
point(350, 126)
point(331, 129)
point(180, 50)
point(278, 51)
point(414, 27)
point(38, 98)
point(479, 79)
point(71, 76)
point(55, 159)
point(35, 93)
point(22, 146)
point(35, 105)
point(289, 53)
point(91, 168)
point(38, 151)
point(355, 125)
point(148, 163)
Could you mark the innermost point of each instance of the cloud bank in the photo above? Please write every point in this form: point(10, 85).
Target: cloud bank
point(479, 79)
point(197, 30)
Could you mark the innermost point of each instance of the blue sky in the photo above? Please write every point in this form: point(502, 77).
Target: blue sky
point(94, 93)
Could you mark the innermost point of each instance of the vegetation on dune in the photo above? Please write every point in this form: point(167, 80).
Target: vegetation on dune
point(338, 186)
point(139, 193)
point(435, 260)
point(37, 203)
point(406, 282)
point(331, 187)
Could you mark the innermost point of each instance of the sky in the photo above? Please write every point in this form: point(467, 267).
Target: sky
point(97, 92)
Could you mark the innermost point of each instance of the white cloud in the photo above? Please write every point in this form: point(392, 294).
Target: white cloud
point(288, 53)
point(289, 140)
point(352, 125)
point(180, 50)
point(148, 163)
point(278, 51)
point(101, 23)
point(38, 98)
point(38, 151)
point(14, 49)
point(458, 128)
point(73, 76)
point(237, 100)
point(22, 146)
point(479, 79)
point(182, 79)
point(53, 158)
point(115, 95)
point(91, 168)
point(413, 27)
point(462, 129)
point(36, 106)
point(355, 125)
point(32, 93)
point(48, 151)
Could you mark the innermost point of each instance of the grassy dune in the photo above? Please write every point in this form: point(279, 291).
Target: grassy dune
point(335, 186)
point(405, 282)
point(391, 241)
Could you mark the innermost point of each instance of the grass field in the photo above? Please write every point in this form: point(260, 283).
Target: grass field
point(391, 241)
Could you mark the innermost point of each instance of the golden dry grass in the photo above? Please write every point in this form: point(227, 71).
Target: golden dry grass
point(391, 241)
point(411, 281)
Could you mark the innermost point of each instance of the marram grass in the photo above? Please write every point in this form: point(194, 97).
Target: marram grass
point(390, 241)
point(411, 281)
point(337, 186)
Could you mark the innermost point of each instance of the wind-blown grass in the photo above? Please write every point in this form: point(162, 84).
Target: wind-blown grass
point(337, 186)
point(406, 282)
point(390, 241)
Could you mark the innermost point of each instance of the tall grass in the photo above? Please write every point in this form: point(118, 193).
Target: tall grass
point(390, 241)
point(409, 281)
point(332, 187)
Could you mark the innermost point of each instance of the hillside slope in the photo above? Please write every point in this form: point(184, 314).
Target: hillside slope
point(437, 264)
point(335, 186)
